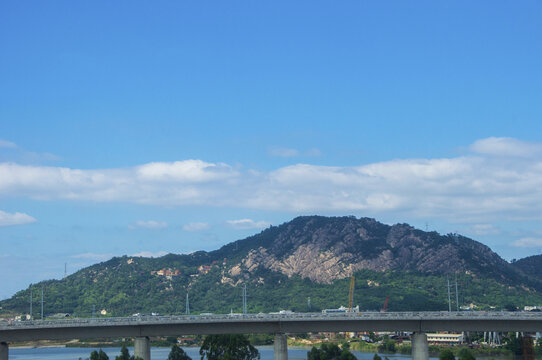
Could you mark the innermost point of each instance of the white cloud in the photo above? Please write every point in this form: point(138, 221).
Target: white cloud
point(7, 219)
point(7, 144)
point(528, 242)
point(182, 182)
point(150, 224)
point(507, 147)
point(479, 188)
point(244, 224)
point(185, 171)
point(196, 226)
point(283, 152)
point(150, 254)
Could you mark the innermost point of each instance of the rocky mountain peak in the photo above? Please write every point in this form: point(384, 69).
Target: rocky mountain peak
point(324, 249)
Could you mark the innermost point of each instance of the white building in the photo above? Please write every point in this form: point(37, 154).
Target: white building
point(437, 338)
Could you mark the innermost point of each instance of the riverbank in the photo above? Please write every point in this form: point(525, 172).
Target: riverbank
point(406, 349)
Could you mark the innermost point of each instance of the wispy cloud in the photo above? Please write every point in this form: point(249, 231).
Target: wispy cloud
point(283, 152)
point(247, 224)
point(93, 256)
point(313, 152)
point(528, 242)
point(484, 229)
point(289, 152)
point(7, 219)
point(7, 144)
point(481, 187)
point(506, 147)
point(17, 153)
point(196, 226)
point(150, 224)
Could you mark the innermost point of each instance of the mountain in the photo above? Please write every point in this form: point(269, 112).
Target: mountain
point(308, 257)
point(531, 266)
point(326, 249)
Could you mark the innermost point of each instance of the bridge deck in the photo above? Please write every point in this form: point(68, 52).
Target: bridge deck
point(269, 323)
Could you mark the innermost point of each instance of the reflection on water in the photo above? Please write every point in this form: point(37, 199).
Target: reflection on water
point(266, 353)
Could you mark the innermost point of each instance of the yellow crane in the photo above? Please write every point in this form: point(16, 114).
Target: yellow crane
point(351, 294)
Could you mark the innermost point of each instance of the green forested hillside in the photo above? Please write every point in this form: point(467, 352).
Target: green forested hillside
point(123, 289)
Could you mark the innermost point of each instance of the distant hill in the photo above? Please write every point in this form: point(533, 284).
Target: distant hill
point(310, 256)
point(531, 266)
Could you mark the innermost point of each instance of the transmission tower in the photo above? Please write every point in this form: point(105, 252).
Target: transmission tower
point(187, 305)
point(449, 286)
point(30, 304)
point(456, 294)
point(244, 298)
point(449, 297)
point(42, 302)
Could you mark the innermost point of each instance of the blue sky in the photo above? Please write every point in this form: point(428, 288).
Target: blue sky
point(136, 128)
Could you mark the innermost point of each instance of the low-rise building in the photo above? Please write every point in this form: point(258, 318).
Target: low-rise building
point(442, 338)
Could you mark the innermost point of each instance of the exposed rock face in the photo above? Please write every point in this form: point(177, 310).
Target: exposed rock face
point(325, 249)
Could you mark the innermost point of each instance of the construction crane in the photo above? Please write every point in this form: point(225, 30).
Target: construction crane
point(351, 294)
point(385, 307)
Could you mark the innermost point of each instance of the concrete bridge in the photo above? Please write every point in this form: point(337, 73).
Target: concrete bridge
point(141, 328)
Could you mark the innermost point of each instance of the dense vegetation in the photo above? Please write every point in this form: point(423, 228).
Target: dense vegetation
point(130, 289)
point(330, 352)
point(228, 347)
point(177, 353)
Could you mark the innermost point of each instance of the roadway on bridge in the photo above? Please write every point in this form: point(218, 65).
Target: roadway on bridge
point(268, 323)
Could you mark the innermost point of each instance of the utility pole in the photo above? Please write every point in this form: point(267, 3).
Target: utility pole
point(187, 305)
point(309, 303)
point(449, 297)
point(42, 302)
point(30, 303)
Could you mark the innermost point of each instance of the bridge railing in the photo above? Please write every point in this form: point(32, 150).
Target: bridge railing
point(134, 320)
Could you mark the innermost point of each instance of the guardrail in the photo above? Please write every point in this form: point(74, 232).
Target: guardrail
point(172, 319)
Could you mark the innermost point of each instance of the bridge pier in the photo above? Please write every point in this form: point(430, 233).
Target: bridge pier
point(142, 347)
point(4, 350)
point(420, 349)
point(280, 347)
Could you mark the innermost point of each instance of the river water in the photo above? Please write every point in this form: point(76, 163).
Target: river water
point(62, 353)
